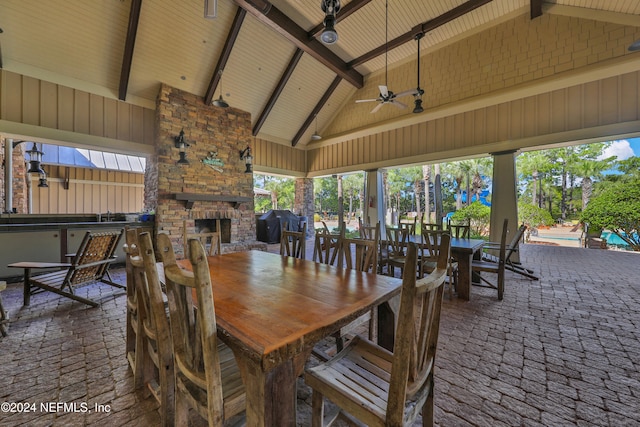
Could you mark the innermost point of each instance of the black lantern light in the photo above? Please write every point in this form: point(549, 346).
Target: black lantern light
point(248, 159)
point(182, 145)
point(35, 160)
point(43, 180)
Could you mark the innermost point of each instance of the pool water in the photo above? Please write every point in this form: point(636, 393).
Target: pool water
point(613, 239)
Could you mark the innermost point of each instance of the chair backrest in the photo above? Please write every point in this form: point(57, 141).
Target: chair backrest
point(95, 253)
point(194, 330)
point(513, 245)
point(152, 314)
point(502, 253)
point(327, 247)
point(460, 231)
point(292, 243)
point(360, 254)
point(430, 248)
point(429, 226)
point(371, 232)
point(416, 340)
point(212, 239)
point(397, 238)
point(409, 225)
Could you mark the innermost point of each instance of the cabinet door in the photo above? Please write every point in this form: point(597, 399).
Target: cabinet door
point(38, 246)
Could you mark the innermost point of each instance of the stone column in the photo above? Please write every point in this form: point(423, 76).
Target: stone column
point(304, 202)
point(504, 202)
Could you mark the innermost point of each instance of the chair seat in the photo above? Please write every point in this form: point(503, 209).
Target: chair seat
point(488, 266)
point(233, 390)
point(365, 360)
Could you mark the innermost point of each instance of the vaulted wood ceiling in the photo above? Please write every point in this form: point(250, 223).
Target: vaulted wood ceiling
point(263, 57)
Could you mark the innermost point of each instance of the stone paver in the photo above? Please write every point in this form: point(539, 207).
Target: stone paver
point(562, 351)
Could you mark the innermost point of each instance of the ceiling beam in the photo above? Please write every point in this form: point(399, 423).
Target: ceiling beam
point(536, 8)
point(277, 91)
point(423, 28)
point(127, 57)
point(285, 26)
point(224, 56)
point(344, 13)
point(316, 110)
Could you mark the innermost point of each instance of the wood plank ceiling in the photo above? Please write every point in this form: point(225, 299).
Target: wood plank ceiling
point(262, 57)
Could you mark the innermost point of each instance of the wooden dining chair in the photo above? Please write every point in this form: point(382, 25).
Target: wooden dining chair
point(372, 232)
point(134, 330)
point(209, 239)
point(511, 248)
point(207, 376)
point(409, 225)
point(293, 243)
point(157, 345)
point(380, 388)
point(397, 238)
point(460, 231)
point(4, 319)
point(482, 266)
point(326, 247)
point(429, 254)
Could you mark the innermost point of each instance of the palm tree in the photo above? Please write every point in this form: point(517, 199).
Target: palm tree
point(426, 174)
point(532, 164)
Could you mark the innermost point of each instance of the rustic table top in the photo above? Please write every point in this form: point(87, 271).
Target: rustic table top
point(275, 307)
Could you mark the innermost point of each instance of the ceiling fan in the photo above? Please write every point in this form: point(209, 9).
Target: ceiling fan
point(386, 96)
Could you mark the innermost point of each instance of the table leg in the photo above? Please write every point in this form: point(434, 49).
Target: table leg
point(464, 276)
point(26, 296)
point(271, 395)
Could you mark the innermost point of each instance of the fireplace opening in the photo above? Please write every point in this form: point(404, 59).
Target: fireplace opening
point(211, 225)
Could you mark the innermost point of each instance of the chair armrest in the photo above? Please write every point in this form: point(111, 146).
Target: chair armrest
point(33, 264)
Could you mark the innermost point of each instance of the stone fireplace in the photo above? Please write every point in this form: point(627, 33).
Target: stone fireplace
point(213, 187)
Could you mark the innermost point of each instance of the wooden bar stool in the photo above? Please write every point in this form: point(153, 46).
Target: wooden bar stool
point(4, 319)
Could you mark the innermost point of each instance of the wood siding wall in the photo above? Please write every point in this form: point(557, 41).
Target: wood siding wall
point(36, 102)
point(604, 107)
point(89, 191)
point(277, 158)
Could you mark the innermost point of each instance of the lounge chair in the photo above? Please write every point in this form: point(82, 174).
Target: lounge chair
point(513, 246)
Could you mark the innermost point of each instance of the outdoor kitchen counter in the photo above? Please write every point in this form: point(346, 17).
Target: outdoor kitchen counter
point(49, 241)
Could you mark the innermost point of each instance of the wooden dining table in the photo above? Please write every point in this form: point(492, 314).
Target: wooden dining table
point(463, 250)
point(272, 310)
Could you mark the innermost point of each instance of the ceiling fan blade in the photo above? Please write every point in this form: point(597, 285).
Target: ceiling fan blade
point(367, 100)
point(405, 93)
point(398, 104)
point(384, 92)
point(379, 106)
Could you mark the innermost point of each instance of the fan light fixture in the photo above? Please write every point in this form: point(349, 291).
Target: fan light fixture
point(220, 102)
point(635, 46)
point(417, 97)
point(330, 9)
point(316, 136)
point(182, 145)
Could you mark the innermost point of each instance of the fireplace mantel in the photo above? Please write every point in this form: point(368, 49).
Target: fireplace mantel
point(191, 198)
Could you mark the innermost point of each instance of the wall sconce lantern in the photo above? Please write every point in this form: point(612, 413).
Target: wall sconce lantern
point(330, 9)
point(43, 180)
point(248, 159)
point(35, 160)
point(182, 145)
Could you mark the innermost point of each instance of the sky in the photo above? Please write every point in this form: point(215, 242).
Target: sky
point(623, 149)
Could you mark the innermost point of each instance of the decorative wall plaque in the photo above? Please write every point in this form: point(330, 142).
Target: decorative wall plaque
point(213, 161)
